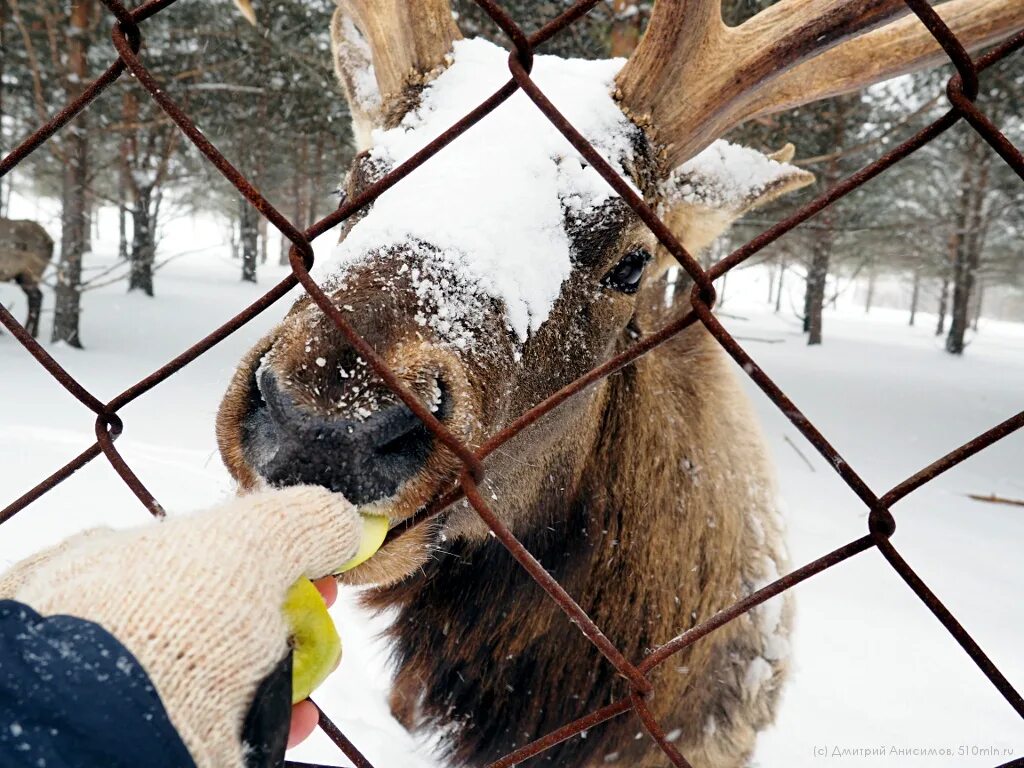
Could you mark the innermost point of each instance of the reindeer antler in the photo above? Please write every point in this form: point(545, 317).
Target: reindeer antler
point(693, 78)
point(396, 45)
point(895, 49)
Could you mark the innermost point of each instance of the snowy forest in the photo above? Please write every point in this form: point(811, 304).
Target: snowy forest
point(940, 235)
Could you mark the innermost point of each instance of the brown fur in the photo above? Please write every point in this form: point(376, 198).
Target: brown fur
point(25, 252)
point(648, 496)
point(660, 516)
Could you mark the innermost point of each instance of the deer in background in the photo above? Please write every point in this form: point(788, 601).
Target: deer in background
point(25, 253)
point(648, 496)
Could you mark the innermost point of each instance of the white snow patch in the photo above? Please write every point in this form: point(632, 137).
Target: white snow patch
point(758, 673)
point(356, 59)
point(725, 175)
point(776, 647)
point(449, 302)
point(493, 203)
point(768, 616)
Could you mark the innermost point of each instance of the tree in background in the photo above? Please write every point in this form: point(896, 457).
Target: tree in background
point(149, 143)
point(589, 37)
point(265, 95)
point(59, 49)
point(987, 201)
point(4, 32)
point(828, 136)
point(286, 128)
point(954, 206)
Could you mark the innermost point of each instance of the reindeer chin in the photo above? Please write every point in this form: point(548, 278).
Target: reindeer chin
point(397, 560)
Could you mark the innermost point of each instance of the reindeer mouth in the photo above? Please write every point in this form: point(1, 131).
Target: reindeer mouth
point(370, 457)
point(285, 421)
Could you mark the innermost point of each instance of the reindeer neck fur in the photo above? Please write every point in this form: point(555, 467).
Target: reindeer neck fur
point(661, 516)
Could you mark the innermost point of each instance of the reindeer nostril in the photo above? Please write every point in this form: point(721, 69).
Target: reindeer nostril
point(366, 459)
point(418, 435)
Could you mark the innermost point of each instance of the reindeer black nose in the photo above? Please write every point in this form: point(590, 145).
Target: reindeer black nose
point(365, 459)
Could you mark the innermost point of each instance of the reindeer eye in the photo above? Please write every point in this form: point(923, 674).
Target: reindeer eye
point(625, 276)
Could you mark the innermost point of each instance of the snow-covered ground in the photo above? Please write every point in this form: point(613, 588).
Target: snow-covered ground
point(872, 667)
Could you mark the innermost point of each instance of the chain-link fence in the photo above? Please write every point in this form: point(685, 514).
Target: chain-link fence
point(962, 90)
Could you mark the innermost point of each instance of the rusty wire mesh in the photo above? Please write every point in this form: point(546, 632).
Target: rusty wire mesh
point(962, 90)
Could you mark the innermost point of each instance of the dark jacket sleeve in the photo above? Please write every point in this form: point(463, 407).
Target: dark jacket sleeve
point(72, 696)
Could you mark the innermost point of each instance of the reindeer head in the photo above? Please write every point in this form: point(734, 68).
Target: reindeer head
point(505, 267)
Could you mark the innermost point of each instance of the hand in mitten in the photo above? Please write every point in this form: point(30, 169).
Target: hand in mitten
point(212, 605)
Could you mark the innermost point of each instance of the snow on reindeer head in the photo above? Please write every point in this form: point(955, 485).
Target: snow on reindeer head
point(493, 275)
point(496, 211)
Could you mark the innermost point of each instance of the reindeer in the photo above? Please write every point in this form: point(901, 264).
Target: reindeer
point(502, 270)
point(25, 252)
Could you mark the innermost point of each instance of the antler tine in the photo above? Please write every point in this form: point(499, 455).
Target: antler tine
point(680, 36)
point(692, 78)
point(406, 42)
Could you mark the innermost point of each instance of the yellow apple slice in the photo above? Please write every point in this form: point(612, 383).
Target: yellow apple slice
point(316, 646)
point(375, 529)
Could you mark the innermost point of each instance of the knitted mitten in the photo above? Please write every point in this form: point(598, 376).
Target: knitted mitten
point(198, 599)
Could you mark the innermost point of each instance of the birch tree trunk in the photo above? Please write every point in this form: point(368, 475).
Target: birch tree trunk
point(248, 233)
point(74, 220)
point(958, 304)
point(940, 326)
point(263, 231)
point(140, 276)
point(974, 187)
point(915, 296)
point(817, 277)
point(778, 288)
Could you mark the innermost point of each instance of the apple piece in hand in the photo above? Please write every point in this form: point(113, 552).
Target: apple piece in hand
point(316, 646)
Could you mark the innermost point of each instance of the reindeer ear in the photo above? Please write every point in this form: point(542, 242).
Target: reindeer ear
point(704, 196)
point(385, 51)
point(787, 178)
point(733, 179)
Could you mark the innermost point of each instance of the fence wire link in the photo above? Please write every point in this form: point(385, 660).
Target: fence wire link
point(962, 90)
